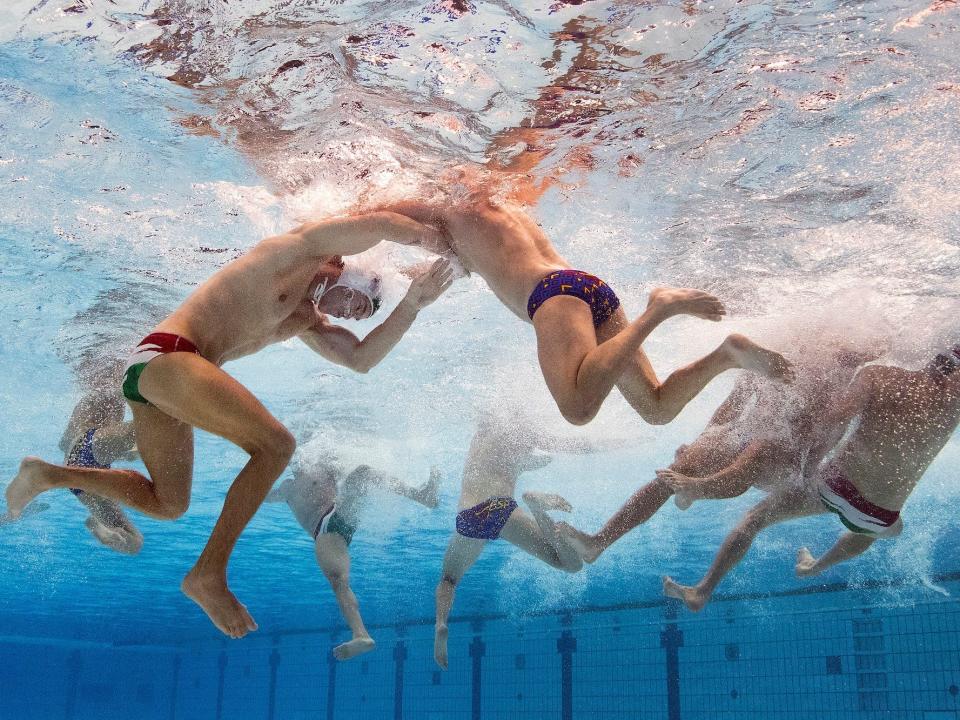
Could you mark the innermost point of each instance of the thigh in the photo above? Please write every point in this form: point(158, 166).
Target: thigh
point(462, 552)
point(196, 392)
point(705, 455)
point(522, 530)
point(639, 374)
point(565, 336)
point(166, 447)
point(786, 505)
point(333, 556)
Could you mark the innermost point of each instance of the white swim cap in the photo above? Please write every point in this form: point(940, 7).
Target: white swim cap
point(365, 282)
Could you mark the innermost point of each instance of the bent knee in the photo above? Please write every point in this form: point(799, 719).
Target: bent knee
point(172, 508)
point(338, 581)
point(277, 443)
point(577, 413)
point(658, 415)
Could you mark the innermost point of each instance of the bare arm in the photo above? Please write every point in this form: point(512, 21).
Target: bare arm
point(344, 348)
point(352, 235)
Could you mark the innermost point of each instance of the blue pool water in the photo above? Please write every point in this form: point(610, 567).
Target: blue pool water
point(798, 159)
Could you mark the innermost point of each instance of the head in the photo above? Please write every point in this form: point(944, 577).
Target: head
point(355, 294)
point(947, 362)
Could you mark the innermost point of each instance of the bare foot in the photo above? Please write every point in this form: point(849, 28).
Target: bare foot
point(547, 501)
point(29, 482)
point(126, 540)
point(686, 301)
point(34, 508)
point(429, 492)
point(684, 487)
point(587, 545)
point(221, 606)
point(750, 356)
point(440, 646)
point(692, 598)
point(357, 646)
point(806, 563)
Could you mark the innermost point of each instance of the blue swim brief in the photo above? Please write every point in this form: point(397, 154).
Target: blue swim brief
point(81, 455)
point(485, 521)
point(601, 298)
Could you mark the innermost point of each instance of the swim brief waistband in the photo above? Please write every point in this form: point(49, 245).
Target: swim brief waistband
point(152, 346)
point(858, 514)
point(601, 298)
point(485, 520)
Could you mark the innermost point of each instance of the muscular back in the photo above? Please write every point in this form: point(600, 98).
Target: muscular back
point(906, 419)
point(499, 242)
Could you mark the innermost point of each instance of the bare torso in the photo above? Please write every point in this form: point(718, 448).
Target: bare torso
point(494, 463)
point(254, 301)
point(907, 419)
point(504, 246)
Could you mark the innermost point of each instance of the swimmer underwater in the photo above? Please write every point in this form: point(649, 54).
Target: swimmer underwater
point(585, 343)
point(284, 287)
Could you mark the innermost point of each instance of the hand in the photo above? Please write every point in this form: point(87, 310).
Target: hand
point(429, 285)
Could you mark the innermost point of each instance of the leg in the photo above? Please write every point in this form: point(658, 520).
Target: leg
point(769, 511)
point(110, 525)
point(568, 557)
point(848, 546)
point(580, 366)
point(461, 554)
point(358, 482)
point(200, 394)
point(333, 557)
point(167, 450)
point(658, 403)
point(735, 479)
point(638, 509)
point(524, 532)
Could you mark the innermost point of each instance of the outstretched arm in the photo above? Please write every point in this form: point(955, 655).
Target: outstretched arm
point(342, 347)
point(354, 234)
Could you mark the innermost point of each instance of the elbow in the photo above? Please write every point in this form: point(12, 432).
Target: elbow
point(362, 367)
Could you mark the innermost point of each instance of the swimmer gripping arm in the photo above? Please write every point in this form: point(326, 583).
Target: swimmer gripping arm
point(352, 235)
point(837, 418)
point(341, 346)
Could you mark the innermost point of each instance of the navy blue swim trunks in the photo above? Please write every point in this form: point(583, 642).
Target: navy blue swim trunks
point(485, 520)
point(81, 455)
point(601, 298)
